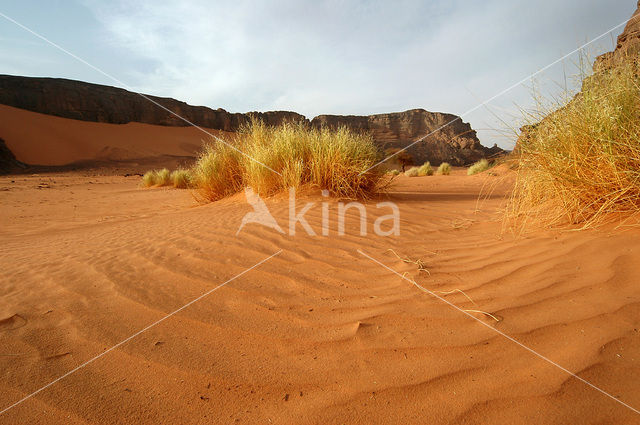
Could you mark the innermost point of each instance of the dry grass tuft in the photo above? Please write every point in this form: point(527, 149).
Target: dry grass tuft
point(217, 172)
point(425, 169)
point(412, 172)
point(157, 178)
point(336, 160)
point(149, 179)
point(181, 178)
point(581, 163)
point(444, 169)
point(478, 167)
point(163, 177)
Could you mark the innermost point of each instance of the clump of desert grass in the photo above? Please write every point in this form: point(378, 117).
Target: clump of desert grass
point(444, 169)
point(478, 167)
point(412, 172)
point(181, 178)
point(157, 178)
point(581, 163)
point(425, 169)
point(217, 172)
point(163, 177)
point(272, 159)
point(393, 172)
point(421, 171)
point(149, 179)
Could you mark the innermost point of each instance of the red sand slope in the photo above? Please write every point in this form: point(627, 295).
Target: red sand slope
point(47, 140)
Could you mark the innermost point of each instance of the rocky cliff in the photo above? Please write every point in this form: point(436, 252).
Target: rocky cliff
point(94, 102)
point(627, 48)
point(456, 143)
point(628, 45)
point(449, 138)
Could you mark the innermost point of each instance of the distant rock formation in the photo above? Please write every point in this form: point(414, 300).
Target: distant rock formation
point(94, 102)
point(452, 140)
point(455, 143)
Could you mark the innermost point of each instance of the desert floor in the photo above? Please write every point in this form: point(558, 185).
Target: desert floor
point(317, 334)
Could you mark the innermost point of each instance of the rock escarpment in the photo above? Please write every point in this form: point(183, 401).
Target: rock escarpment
point(449, 139)
point(94, 102)
point(627, 48)
point(628, 45)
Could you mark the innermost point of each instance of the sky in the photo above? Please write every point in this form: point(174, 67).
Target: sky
point(321, 57)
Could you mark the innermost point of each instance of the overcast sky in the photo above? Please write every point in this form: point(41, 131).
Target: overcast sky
point(315, 57)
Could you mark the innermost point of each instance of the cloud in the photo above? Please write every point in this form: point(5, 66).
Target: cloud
point(348, 57)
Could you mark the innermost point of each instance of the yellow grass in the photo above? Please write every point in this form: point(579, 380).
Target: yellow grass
point(149, 179)
point(336, 160)
point(217, 172)
point(157, 178)
point(582, 162)
point(425, 169)
point(163, 177)
point(181, 178)
point(412, 172)
point(478, 167)
point(444, 169)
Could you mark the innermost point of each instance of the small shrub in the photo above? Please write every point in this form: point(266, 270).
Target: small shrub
point(181, 179)
point(425, 169)
point(412, 172)
point(444, 169)
point(394, 172)
point(478, 167)
point(149, 179)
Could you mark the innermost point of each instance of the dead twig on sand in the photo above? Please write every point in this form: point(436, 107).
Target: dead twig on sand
point(483, 312)
point(421, 264)
point(430, 292)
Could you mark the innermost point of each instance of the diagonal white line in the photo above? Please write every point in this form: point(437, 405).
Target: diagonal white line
point(500, 332)
point(57, 46)
point(137, 333)
point(508, 89)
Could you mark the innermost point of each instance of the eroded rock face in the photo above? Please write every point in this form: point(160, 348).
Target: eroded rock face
point(628, 44)
point(449, 139)
point(93, 102)
point(628, 47)
point(456, 142)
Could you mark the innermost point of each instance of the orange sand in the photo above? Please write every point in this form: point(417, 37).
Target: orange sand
point(47, 140)
point(319, 334)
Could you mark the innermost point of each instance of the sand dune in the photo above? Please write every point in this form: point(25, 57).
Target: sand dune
point(48, 140)
point(318, 334)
